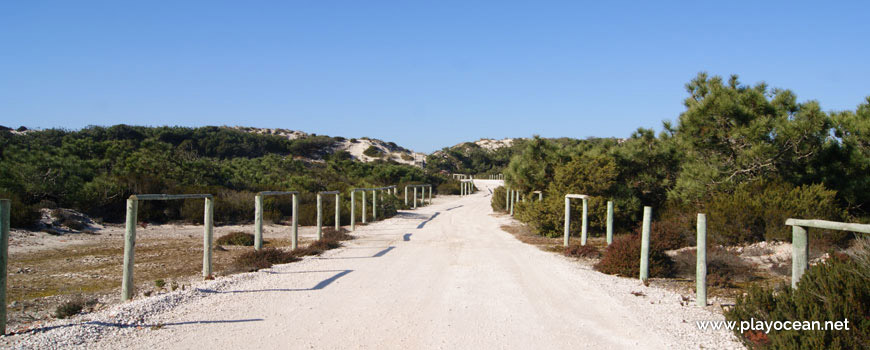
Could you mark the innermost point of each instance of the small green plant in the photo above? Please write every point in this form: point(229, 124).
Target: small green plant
point(836, 290)
point(72, 307)
point(724, 268)
point(236, 238)
point(582, 251)
point(622, 258)
point(373, 152)
point(262, 259)
point(159, 283)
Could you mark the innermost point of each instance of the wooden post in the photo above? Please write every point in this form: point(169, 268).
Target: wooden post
point(415, 197)
point(609, 222)
point(207, 235)
point(507, 200)
point(701, 263)
point(644, 244)
point(363, 206)
point(585, 222)
point(258, 222)
point(337, 212)
point(352, 210)
point(5, 216)
point(430, 194)
point(800, 249)
point(374, 205)
point(129, 247)
point(406, 196)
point(319, 216)
point(567, 219)
point(294, 240)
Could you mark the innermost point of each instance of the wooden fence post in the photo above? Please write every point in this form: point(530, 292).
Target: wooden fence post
point(644, 244)
point(258, 222)
point(609, 222)
point(129, 248)
point(208, 233)
point(701, 263)
point(5, 216)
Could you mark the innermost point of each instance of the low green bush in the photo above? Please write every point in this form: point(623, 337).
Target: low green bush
point(622, 258)
point(373, 152)
point(836, 290)
point(498, 199)
point(724, 268)
point(582, 251)
point(450, 187)
point(236, 238)
point(262, 259)
point(757, 211)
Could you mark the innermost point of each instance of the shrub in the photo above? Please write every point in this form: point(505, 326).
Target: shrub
point(499, 199)
point(262, 259)
point(449, 187)
point(836, 290)
point(159, 283)
point(583, 251)
point(407, 157)
point(72, 306)
point(340, 235)
point(757, 211)
point(373, 152)
point(723, 267)
point(236, 238)
point(622, 258)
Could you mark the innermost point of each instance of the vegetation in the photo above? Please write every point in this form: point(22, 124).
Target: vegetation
point(747, 156)
point(373, 152)
point(583, 251)
point(833, 291)
point(236, 238)
point(622, 258)
point(263, 259)
point(95, 169)
point(73, 306)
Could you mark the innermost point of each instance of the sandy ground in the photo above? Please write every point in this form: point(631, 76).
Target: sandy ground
point(439, 277)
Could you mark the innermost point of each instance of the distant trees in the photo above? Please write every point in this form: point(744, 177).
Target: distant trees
point(95, 169)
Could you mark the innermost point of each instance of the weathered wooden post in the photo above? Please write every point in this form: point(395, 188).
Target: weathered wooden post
point(258, 214)
point(800, 251)
point(406, 195)
point(585, 222)
point(295, 239)
point(363, 205)
point(644, 244)
point(609, 222)
point(129, 247)
point(5, 216)
point(507, 198)
point(513, 201)
point(701, 262)
point(567, 219)
point(319, 216)
point(800, 241)
point(353, 210)
point(337, 211)
point(415, 197)
point(258, 221)
point(207, 236)
point(374, 205)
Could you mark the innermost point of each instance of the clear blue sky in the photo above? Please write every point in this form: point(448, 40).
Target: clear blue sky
point(424, 76)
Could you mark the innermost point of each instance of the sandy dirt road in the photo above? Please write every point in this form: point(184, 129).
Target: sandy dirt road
point(443, 276)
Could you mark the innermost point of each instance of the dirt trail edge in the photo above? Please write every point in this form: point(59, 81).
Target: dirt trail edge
point(439, 277)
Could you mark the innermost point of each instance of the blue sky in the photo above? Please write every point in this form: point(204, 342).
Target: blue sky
point(425, 75)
